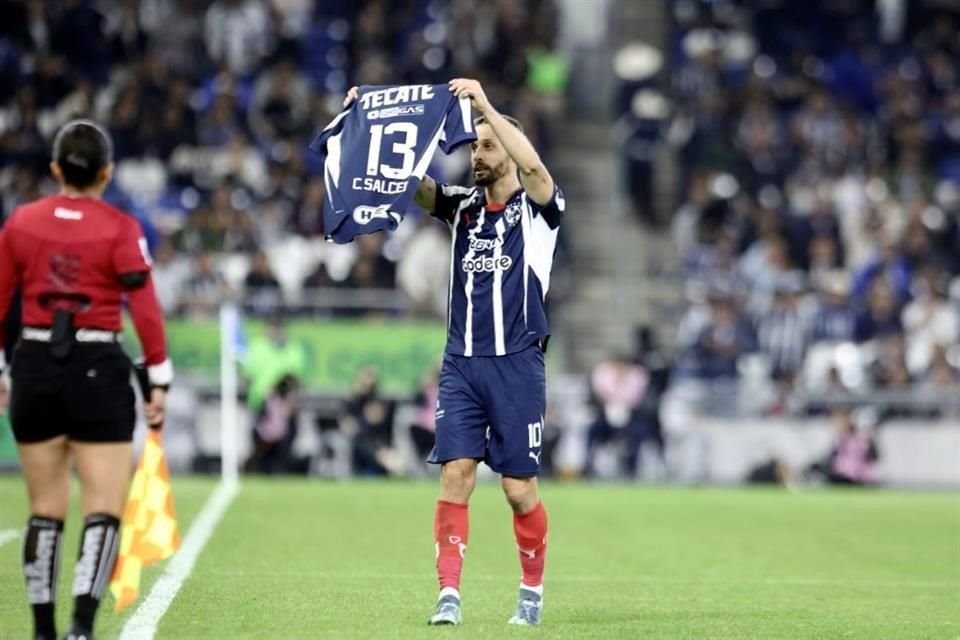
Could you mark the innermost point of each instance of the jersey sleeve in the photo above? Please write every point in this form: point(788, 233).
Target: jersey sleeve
point(130, 252)
point(552, 212)
point(449, 198)
point(457, 125)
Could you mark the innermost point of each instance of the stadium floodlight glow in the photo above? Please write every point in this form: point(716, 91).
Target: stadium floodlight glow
point(637, 61)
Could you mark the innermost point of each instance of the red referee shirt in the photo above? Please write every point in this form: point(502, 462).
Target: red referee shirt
point(70, 252)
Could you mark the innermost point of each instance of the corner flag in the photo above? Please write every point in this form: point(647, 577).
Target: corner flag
point(149, 531)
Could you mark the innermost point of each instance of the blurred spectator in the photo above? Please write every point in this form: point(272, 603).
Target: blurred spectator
point(270, 358)
point(367, 419)
point(424, 426)
point(177, 36)
point(853, 460)
point(372, 270)
point(834, 319)
point(881, 317)
point(307, 219)
point(721, 343)
point(617, 388)
point(274, 431)
point(237, 34)
point(423, 269)
point(280, 103)
point(204, 289)
point(930, 320)
point(783, 332)
point(262, 294)
point(170, 277)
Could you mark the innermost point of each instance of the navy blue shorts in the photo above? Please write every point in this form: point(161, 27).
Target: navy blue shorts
point(491, 409)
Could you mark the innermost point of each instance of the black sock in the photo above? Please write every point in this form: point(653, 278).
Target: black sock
point(41, 565)
point(98, 552)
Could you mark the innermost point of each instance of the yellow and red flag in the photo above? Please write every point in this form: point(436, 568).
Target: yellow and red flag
point(149, 531)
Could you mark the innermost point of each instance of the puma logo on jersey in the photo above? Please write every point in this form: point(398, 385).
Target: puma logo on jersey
point(67, 214)
point(535, 456)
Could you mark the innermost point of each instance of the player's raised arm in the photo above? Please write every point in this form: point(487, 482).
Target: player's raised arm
point(426, 195)
point(534, 177)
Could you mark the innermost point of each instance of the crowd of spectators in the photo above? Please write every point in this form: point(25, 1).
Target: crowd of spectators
point(819, 147)
point(211, 105)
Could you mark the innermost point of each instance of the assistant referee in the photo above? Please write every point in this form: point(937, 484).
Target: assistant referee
point(77, 260)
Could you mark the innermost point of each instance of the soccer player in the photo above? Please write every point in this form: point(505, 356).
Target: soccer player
point(492, 384)
point(76, 259)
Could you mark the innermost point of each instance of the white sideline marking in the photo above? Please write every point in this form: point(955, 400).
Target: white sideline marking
point(142, 625)
point(8, 535)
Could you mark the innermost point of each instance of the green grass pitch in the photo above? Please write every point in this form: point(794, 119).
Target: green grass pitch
point(309, 559)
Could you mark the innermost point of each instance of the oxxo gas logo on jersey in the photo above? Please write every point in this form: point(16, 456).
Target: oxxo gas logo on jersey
point(365, 214)
point(396, 112)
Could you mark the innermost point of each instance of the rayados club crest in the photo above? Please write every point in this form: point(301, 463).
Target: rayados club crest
point(512, 214)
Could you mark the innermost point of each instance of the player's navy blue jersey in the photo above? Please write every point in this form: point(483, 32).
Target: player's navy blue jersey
point(378, 149)
point(500, 269)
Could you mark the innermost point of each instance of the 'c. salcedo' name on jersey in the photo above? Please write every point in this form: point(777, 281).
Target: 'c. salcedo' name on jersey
point(378, 149)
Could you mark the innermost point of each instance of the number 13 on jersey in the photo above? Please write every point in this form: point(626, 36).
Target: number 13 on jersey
point(405, 148)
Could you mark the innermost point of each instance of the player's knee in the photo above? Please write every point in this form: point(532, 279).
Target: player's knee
point(459, 476)
point(521, 493)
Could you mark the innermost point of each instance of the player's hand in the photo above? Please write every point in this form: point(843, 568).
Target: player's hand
point(155, 410)
point(352, 95)
point(465, 87)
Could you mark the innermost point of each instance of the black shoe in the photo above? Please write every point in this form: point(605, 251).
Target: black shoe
point(78, 633)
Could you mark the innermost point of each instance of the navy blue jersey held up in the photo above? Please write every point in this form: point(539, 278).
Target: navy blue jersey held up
point(500, 269)
point(378, 149)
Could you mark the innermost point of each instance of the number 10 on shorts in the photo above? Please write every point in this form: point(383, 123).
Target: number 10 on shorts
point(535, 434)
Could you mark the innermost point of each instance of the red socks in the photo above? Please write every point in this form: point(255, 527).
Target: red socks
point(451, 526)
point(451, 529)
point(530, 530)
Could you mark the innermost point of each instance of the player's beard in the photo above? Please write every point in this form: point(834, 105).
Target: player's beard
point(491, 175)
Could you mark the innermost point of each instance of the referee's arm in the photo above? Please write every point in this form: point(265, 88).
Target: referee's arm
point(131, 262)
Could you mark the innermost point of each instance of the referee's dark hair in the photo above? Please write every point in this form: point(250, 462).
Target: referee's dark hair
point(82, 149)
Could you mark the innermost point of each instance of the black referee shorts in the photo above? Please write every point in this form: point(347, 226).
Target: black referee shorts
point(87, 397)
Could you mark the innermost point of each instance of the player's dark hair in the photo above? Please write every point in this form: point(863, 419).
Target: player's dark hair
point(483, 120)
point(82, 149)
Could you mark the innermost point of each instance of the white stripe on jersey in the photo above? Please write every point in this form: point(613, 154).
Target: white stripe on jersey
point(453, 190)
point(454, 224)
point(526, 216)
point(468, 289)
point(453, 262)
point(465, 115)
point(424, 163)
point(333, 161)
point(498, 339)
point(541, 242)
